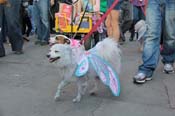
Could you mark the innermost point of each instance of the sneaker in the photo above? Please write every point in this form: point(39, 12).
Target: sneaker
point(141, 78)
point(149, 78)
point(168, 68)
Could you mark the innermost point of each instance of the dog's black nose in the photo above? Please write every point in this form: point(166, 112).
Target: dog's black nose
point(48, 56)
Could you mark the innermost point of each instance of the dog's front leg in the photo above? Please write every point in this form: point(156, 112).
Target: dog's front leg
point(59, 88)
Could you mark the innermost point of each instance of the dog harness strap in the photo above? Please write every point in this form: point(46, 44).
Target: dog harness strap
point(99, 21)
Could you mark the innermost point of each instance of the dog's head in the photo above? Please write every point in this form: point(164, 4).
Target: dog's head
point(59, 39)
point(60, 54)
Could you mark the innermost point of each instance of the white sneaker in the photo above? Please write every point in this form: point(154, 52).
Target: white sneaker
point(168, 68)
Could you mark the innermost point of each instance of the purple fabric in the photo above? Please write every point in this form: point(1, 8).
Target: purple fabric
point(138, 2)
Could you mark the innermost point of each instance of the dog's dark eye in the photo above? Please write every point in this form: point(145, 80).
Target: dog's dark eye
point(56, 51)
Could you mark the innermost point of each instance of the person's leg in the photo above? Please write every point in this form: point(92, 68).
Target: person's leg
point(168, 51)
point(135, 14)
point(141, 14)
point(4, 26)
point(29, 26)
point(44, 15)
point(115, 24)
point(151, 49)
point(112, 21)
point(135, 19)
point(13, 23)
point(23, 24)
point(37, 22)
point(108, 25)
point(32, 20)
point(2, 50)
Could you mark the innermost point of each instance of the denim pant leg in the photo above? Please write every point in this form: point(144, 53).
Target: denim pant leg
point(4, 26)
point(151, 51)
point(168, 52)
point(13, 23)
point(41, 12)
point(37, 19)
point(2, 50)
point(138, 13)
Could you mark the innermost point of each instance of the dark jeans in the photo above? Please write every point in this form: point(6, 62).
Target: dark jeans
point(11, 14)
point(26, 26)
point(4, 27)
point(138, 14)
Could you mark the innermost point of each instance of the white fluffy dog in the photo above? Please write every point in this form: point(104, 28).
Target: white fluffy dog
point(66, 59)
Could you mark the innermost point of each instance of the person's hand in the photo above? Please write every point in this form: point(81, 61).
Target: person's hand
point(52, 2)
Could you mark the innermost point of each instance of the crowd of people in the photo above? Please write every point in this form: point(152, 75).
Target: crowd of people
point(21, 18)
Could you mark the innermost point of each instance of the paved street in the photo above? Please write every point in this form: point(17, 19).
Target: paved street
point(28, 83)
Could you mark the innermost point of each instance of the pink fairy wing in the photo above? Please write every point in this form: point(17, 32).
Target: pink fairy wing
point(114, 83)
point(106, 73)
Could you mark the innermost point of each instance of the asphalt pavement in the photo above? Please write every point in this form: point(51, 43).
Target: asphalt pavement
point(28, 83)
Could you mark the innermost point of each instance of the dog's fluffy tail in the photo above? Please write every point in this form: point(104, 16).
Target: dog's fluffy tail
point(110, 51)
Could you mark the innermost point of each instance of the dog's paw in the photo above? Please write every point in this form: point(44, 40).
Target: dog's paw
point(77, 99)
point(57, 97)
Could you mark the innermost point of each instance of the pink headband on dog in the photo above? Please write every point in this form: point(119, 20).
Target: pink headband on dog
point(74, 43)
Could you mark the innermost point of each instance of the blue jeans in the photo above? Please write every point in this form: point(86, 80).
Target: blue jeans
point(31, 15)
point(41, 17)
point(157, 12)
point(12, 18)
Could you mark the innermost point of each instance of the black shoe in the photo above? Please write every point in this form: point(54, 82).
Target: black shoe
point(19, 52)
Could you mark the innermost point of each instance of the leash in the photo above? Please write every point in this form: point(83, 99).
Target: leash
point(99, 22)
